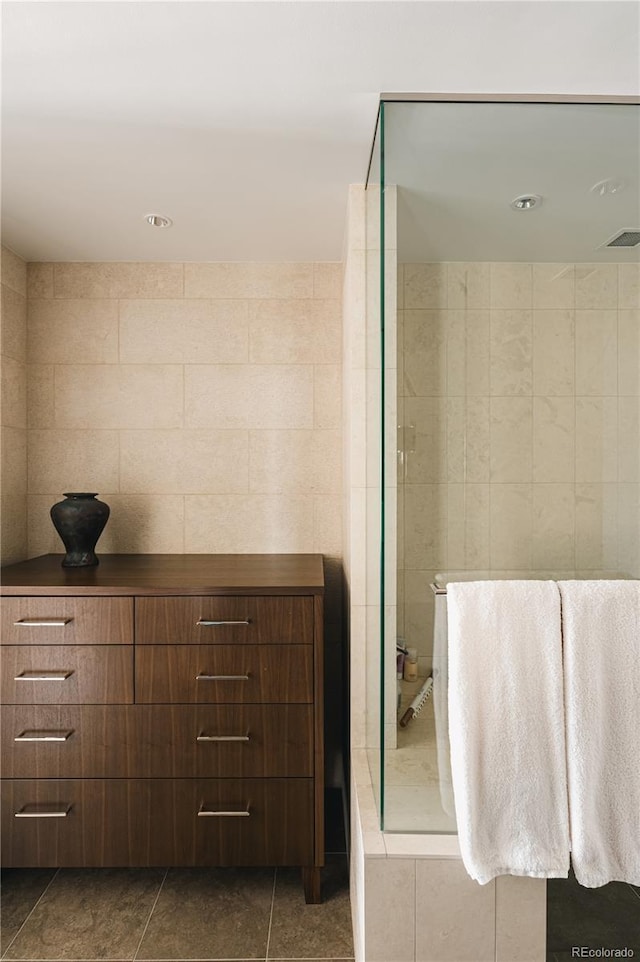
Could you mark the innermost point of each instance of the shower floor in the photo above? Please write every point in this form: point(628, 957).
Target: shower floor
point(412, 800)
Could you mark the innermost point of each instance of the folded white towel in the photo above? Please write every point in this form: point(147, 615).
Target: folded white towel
point(441, 704)
point(601, 626)
point(506, 728)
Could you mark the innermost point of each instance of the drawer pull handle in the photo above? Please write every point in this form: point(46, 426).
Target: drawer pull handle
point(222, 738)
point(203, 623)
point(204, 677)
point(207, 812)
point(33, 675)
point(43, 735)
point(43, 622)
point(43, 810)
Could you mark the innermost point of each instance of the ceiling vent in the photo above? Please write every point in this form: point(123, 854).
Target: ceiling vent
point(624, 238)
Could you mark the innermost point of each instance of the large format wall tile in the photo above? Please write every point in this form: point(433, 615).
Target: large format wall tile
point(73, 332)
point(553, 352)
point(511, 365)
point(596, 352)
point(596, 439)
point(177, 331)
point(248, 280)
point(14, 393)
point(553, 286)
point(14, 324)
point(249, 396)
point(511, 286)
point(425, 286)
point(553, 439)
point(295, 332)
point(511, 429)
point(629, 351)
point(425, 365)
point(596, 286)
point(455, 921)
point(184, 462)
point(468, 285)
point(73, 461)
point(118, 280)
point(247, 523)
point(14, 272)
point(295, 462)
point(119, 396)
point(629, 286)
point(511, 526)
point(553, 527)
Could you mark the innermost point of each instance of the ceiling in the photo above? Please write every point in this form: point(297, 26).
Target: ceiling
point(245, 121)
point(459, 166)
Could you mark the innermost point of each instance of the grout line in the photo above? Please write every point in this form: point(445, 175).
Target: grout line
point(273, 898)
point(44, 892)
point(155, 902)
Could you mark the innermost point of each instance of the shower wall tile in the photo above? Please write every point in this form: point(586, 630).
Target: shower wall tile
point(183, 331)
point(456, 918)
point(457, 438)
point(511, 430)
point(553, 439)
point(629, 351)
point(511, 526)
point(553, 286)
point(628, 439)
point(628, 528)
point(426, 527)
point(596, 526)
point(425, 362)
point(629, 286)
point(469, 527)
point(73, 331)
point(425, 439)
point(119, 396)
point(511, 286)
point(596, 352)
point(478, 440)
point(425, 286)
point(468, 353)
point(553, 541)
point(596, 439)
point(596, 286)
point(553, 352)
point(511, 364)
point(468, 285)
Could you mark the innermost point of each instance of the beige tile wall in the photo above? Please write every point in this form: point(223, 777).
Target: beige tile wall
point(202, 401)
point(13, 414)
point(520, 404)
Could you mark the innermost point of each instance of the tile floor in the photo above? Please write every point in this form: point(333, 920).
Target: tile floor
point(602, 918)
point(178, 914)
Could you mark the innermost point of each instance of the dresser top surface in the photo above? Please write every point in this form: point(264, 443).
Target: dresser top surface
point(166, 574)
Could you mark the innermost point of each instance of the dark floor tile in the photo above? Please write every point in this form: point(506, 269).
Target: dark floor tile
point(300, 931)
point(89, 914)
point(211, 913)
point(606, 917)
point(636, 889)
point(21, 889)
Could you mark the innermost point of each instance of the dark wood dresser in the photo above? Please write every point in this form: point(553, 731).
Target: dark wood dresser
point(164, 710)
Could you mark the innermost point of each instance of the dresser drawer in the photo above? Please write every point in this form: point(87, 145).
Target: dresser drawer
point(224, 620)
point(66, 674)
point(69, 741)
point(117, 822)
point(156, 741)
point(85, 822)
point(67, 621)
point(223, 674)
point(225, 740)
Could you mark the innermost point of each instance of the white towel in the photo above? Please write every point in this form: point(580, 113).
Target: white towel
point(601, 626)
point(441, 705)
point(506, 727)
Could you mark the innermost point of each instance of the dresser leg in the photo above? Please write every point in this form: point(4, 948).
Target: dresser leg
point(312, 884)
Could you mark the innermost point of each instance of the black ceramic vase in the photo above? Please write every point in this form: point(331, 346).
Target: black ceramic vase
point(80, 521)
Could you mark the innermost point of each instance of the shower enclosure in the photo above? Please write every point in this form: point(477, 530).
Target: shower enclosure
point(503, 382)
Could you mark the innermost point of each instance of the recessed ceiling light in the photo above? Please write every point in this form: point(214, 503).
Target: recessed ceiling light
point(157, 220)
point(609, 186)
point(526, 202)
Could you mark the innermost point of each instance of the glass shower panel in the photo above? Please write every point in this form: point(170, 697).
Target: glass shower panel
point(515, 384)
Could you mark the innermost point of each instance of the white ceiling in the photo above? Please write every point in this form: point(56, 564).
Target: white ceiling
point(245, 122)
